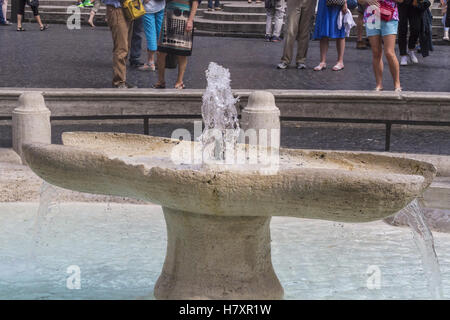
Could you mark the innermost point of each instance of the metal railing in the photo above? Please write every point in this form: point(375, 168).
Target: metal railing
point(388, 123)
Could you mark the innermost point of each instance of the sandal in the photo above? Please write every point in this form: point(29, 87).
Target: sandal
point(320, 67)
point(20, 29)
point(147, 67)
point(44, 27)
point(378, 89)
point(159, 85)
point(338, 67)
point(399, 89)
point(180, 86)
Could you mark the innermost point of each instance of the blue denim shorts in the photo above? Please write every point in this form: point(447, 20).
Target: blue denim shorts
point(386, 28)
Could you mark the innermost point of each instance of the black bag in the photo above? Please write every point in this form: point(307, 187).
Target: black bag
point(332, 3)
point(171, 61)
point(33, 3)
point(352, 4)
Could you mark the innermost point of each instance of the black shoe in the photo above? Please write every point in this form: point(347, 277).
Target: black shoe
point(136, 64)
point(125, 85)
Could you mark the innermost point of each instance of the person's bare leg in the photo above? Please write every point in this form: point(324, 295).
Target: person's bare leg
point(359, 26)
point(4, 8)
point(323, 55)
point(377, 60)
point(161, 61)
point(39, 21)
point(91, 18)
point(389, 52)
point(323, 50)
point(340, 46)
point(151, 56)
point(19, 21)
point(182, 63)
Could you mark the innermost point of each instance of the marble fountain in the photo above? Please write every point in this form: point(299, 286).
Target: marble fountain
point(218, 216)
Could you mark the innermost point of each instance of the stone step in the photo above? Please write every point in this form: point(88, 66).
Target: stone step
point(232, 16)
point(437, 36)
point(258, 26)
point(244, 7)
point(46, 8)
point(230, 26)
point(218, 17)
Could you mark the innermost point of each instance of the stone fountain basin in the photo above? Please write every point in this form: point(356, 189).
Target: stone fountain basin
point(337, 186)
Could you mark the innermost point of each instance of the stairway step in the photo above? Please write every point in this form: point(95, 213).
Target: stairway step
point(244, 7)
point(230, 26)
point(232, 16)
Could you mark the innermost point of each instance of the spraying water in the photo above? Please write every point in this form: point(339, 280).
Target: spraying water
point(424, 241)
point(48, 206)
point(219, 114)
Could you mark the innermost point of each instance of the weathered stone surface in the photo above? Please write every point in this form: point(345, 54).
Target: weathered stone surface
point(212, 257)
point(416, 106)
point(30, 121)
point(262, 115)
point(334, 186)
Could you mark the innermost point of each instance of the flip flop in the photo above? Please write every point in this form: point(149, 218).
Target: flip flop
point(180, 86)
point(147, 67)
point(159, 85)
point(320, 67)
point(338, 67)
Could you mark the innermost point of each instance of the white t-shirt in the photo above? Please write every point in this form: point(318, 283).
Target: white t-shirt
point(154, 6)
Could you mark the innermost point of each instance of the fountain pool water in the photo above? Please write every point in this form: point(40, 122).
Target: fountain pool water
point(424, 241)
point(120, 250)
point(218, 220)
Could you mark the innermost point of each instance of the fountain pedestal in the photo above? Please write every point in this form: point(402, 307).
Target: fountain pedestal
point(217, 257)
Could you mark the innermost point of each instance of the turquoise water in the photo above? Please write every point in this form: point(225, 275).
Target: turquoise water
point(119, 250)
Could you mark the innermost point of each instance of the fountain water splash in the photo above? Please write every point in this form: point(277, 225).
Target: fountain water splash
point(48, 207)
point(219, 114)
point(424, 241)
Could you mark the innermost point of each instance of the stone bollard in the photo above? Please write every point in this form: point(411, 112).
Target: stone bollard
point(261, 113)
point(30, 121)
point(261, 126)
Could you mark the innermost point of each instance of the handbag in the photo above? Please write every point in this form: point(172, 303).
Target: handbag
point(133, 9)
point(352, 4)
point(171, 61)
point(33, 3)
point(386, 11)
point(332, 3)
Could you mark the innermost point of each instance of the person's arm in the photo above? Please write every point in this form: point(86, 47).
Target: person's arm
point(190, 22)
point(369, 2)
point(344, 7)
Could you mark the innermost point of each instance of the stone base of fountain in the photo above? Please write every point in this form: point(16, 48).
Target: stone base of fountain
point(217, 257)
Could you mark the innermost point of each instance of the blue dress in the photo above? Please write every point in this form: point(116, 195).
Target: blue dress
point(326, 22)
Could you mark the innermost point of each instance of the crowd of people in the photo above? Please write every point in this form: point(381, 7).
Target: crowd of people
point(168, 29)
point(384, 21)
point(34, 5)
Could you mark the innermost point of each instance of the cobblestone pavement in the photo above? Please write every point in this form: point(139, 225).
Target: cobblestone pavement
point(62, 58)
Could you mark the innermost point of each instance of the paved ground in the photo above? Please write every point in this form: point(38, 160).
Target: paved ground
point(82, 58)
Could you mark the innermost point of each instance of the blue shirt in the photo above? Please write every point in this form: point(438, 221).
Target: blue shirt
point(114, 3)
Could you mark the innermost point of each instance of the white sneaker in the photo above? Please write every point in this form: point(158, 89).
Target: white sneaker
point(412, 56)
point(404, 60)
point(446, 37)
point(282, 65)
